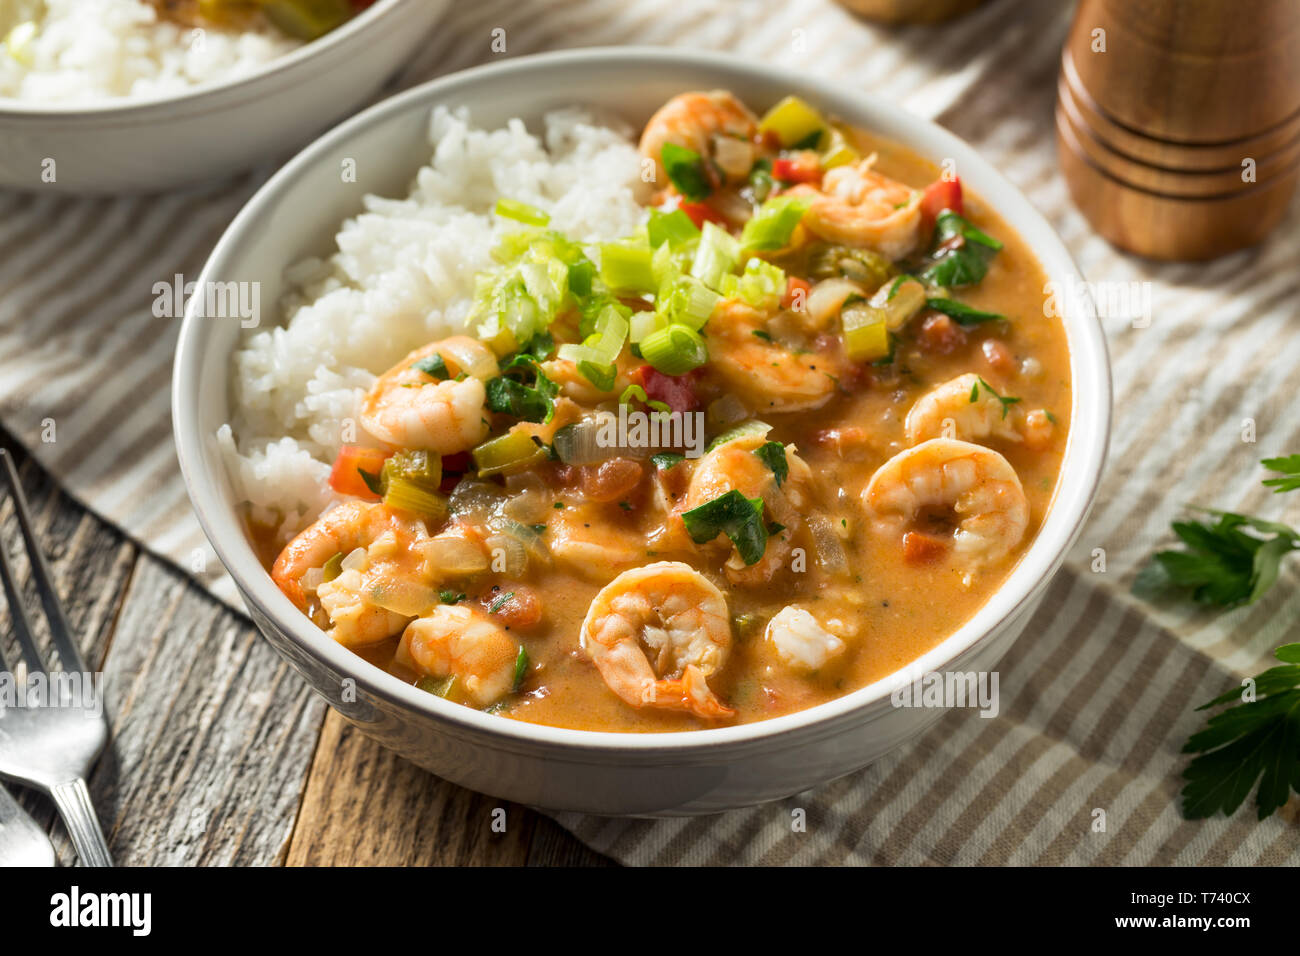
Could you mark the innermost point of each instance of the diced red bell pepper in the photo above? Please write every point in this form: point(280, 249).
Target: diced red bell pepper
point(675, 391)
point(345, 477)
point(921, 548)
point(803, 167)
point(940, 195)
point(701, 213)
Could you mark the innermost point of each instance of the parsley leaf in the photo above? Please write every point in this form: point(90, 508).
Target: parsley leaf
point(667, 459)
point(1255, 741)
point(732, 514)
point(965, 315)
point(1289, 466)
point(433, 366)
point(1229, 561)
point(374, 481)
point(961, 253)
point(1006, 401)
point(451, 597)
point(686, 171)
point(772, 454)
point(511, 395)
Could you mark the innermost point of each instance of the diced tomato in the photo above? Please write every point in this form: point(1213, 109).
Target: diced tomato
point(801, 167)
point(513, 605)
point(453, 468)
point(940, 334)
point(939, 195)
point(796, 293)
point(701, 213)
point(345, 477)
point(998, 356)
point(675, 391)
point(919, 548)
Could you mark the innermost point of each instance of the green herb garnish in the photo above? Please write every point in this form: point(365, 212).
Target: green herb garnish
point(521, 669)
point(959, 264)
point(451, 597)
point(1289, 467)
point(732, 514)
point(512, 394)
point(686, 171)
point(667, 459)
point(373, 481)
point(772, 454)
point(500, 602)
point(964, 314)
point(433, 366)
point(1257, 740)
point(1006, 401)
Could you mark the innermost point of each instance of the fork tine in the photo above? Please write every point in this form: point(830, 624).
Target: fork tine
point(69, 656)
point(18, 614)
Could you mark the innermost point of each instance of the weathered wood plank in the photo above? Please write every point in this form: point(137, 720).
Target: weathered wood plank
point(213, 733)
point(555, 846)
point(90, 563)
point(366, 806)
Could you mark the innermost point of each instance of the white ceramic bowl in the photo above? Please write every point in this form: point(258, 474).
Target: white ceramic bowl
point(145, 145)
point(297, 213)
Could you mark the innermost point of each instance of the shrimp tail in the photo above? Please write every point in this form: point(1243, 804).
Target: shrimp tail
point(691, 692)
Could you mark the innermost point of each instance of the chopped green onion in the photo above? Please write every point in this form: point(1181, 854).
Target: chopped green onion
point(732, 514)
point(752, 427)
point(761, 286)
point(717, 255)
point(521, 212)
point(626, 267)
point(674, 228)
point(685, 169)
point(773, 224)
point(674, 349)
point(688, 301)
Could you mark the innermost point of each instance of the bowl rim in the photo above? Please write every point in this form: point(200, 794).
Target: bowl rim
point(201, 94)
point(1081, 463)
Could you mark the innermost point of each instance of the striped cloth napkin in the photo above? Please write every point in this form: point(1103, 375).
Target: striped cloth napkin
point(1082, 764)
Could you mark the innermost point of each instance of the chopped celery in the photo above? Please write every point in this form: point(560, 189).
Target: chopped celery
point(717, 254)
point(837, 151)
point(674, 349)
point(899, 301)
point(774, 223)
point(866, 332)
point(521, 212)
point(792, 121)
point(406, 494)
point(508, 454)
point(437, 686)
point(424, 468)
point(626, 267)
point(333, 567)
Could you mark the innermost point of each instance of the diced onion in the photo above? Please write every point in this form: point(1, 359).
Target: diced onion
point(510, 548)
point(827, 547)
point(827, 297)
point(403, 596)
point(734, 156)
point(577, 444)
point(454, 554)
point(726, 410)
point(356, 560)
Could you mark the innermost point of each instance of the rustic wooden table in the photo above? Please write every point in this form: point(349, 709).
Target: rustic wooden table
point(220, 754)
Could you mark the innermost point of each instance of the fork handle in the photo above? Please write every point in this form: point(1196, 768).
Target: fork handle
point(73, 800)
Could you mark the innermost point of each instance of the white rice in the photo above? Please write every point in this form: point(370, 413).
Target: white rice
point(403, 276)
point(91, 50)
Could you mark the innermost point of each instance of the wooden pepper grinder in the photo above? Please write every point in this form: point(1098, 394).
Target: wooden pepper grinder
point(910, 11)
point(1178, 121)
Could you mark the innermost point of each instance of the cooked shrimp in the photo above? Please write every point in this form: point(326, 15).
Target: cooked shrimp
point(583, 540)
point(764, 374)
point(392, 559)
point(677, 614)
point(455, 640)
point(966, 409)
point(699, 122)
point(733, 465)
point(975, 483)
point(859, 207)
point(410, 408)
point(800, 640)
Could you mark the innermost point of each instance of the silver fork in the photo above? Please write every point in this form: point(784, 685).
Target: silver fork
point(22, 842)
point(51, 748)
